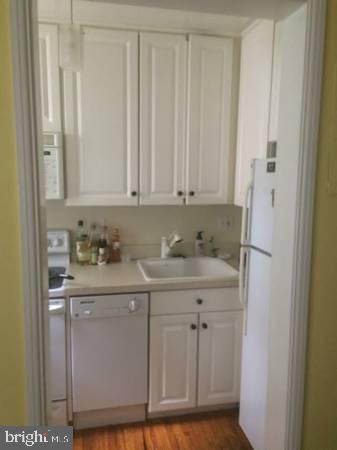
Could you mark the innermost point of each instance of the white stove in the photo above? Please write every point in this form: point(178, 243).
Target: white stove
point(58, 259)
point(58, 265)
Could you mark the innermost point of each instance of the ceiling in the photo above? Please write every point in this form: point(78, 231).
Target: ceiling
point(274, 9)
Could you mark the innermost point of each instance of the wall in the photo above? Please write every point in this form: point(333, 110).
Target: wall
point(284, 233)
point(12, 375)
point(320, 420)
point(142, 228)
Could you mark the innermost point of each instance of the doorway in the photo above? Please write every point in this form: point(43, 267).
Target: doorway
point(298, 289)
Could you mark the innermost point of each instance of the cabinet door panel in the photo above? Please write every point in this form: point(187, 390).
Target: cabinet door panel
point(102, 146)
point(173, 362)
point(162, 117)
point(276, 83)
point(50, 78)
point(254, 102)
point(219, 357)
point(209, 138)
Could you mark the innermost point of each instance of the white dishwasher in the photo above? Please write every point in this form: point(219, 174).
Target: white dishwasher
point(109, 349)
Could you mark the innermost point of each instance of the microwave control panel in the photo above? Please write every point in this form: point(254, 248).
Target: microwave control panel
point(53, 168)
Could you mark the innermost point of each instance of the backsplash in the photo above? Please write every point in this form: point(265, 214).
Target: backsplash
point(141, 229)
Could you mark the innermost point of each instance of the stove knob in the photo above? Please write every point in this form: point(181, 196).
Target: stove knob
point(133, 305)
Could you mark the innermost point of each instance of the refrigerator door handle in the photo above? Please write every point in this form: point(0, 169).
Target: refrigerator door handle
point(245, 291)
point(245, 214)
point(243, 276)
point(243, 284)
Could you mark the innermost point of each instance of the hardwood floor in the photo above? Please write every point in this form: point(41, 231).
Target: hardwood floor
point(211, 431)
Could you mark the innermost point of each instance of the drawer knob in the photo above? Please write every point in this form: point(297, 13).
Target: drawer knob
point(180, 193)
point(192, 193)
point(200, 301)
point(134, 193)
point(193, 326)
point(204, 326)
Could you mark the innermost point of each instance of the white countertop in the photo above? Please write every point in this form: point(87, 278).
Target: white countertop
point(126, 277)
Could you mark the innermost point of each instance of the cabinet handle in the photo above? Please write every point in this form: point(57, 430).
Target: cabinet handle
point(193, 326)
point(199, 301)
point(180, 193)
point(204, 326)
point(134, 193)
point(192, 193)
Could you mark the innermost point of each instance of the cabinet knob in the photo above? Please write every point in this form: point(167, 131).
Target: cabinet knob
point(204, 326)
point(193, 326)
point(180, 193)
point(192, 193)
point(134, 193)
point(199, 301)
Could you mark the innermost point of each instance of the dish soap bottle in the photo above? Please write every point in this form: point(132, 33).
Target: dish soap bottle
point(199, 246)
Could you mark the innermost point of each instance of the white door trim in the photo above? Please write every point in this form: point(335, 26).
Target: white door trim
point(33, 223)
point(311, 107)
point(32, 216)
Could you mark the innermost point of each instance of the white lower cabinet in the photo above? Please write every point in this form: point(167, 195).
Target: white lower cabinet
point(195, 357)
point(173, 362)
point(220, 342)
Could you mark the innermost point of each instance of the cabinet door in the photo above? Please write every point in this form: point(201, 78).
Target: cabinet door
point(219, 357)
point(50, 78)
point(209, 134)
point(173, 362)
point(102, 120)
point(254, 102)
point(163, 68)
point(276, 83)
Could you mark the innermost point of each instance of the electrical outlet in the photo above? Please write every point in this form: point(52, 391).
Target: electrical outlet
point(225, 224)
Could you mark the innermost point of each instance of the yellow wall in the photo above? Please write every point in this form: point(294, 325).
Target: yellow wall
point(320, 424)
point(12, 378)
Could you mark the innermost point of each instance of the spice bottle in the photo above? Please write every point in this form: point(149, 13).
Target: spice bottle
point(115, 246)
point(102, 250)
point(93, 243)
point(82, 244)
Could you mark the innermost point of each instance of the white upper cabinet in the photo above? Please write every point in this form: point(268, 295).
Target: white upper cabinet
point(163, 65)
point(209, 138)
point(220, 344)
point(276, 84)
point(101, 118)
point(50, 78)
point(254, 102)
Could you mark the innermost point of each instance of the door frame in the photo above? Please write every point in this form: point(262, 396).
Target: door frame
point(33, 218)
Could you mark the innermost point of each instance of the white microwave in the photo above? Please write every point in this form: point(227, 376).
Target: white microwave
point(53, 166)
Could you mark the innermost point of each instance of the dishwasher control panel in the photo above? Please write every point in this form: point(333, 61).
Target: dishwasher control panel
point(102, 306)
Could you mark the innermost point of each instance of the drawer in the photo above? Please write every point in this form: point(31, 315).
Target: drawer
point(194, 300)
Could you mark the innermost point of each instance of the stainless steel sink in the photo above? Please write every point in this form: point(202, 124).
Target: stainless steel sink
point(186, 269)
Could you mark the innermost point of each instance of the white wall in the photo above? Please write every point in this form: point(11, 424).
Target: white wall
point(142, 228)
point(292, 74)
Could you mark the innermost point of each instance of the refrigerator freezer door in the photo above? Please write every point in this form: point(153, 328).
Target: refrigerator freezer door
point(262, 206)
point(255, 350)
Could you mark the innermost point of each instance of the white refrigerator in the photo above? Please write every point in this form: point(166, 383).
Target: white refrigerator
point(255, 289)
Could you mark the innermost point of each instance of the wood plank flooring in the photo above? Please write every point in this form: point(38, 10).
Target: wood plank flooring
point(210, 431)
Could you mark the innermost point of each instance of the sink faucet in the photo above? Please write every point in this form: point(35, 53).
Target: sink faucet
point(167, 243)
